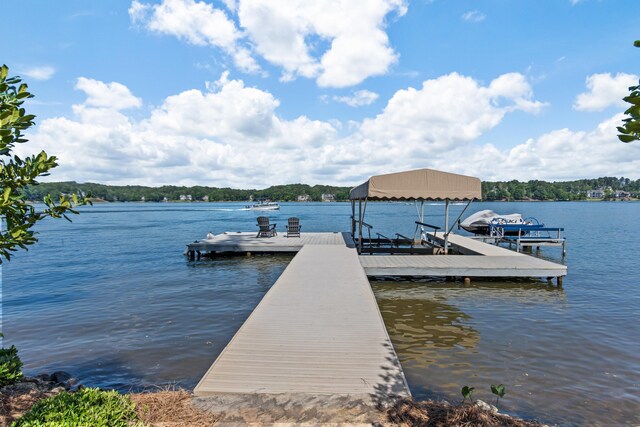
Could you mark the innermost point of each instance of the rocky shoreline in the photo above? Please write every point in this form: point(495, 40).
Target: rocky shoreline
point(166, 407)
point(18, 398)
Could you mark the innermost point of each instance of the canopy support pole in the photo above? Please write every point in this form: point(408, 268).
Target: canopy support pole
point(360, 226)
point(459, 216)
point(353, 219)
point(446, 226)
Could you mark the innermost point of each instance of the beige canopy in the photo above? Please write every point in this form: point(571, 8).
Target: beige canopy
point(421, 184)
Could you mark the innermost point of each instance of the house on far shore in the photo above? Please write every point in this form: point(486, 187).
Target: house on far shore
point(595, 194)
point(185, 197)
point(328, 197)
point(304, 198)
point(619, 194)
point(205, 198)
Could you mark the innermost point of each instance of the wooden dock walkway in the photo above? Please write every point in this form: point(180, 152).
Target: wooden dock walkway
point(318, 330)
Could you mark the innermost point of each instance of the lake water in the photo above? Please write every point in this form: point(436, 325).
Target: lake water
point(111, 299)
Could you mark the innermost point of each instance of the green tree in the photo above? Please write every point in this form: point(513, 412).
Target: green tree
point(17, 173)
point(630, 130)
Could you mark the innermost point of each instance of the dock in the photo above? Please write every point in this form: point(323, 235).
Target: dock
point(318, 330)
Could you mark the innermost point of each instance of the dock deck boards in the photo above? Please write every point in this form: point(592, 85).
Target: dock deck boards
point(468, 246)
point(318, 330)
point(248, 242)
point(460, 265)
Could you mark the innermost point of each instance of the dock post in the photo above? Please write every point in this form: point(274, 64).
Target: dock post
point(192, 255)
point(467, 281)
point(559, 281)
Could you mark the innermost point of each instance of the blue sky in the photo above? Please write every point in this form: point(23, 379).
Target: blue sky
point(250, 93)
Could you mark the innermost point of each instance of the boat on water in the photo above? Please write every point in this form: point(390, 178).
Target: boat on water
point(264, 206)
point(481, 222)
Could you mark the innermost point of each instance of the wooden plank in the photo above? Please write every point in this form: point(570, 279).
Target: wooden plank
point(318, 330)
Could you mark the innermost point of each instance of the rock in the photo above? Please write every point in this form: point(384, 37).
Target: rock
point(57, 390)
point(486, 407)
point(60, 377)
point(44, 377)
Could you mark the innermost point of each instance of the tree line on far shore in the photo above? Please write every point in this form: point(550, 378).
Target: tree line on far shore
point(499, 190)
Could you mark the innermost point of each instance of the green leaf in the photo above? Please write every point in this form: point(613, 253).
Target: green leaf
point(498, 390)
point(467, 392)
point(636, 43)
point(4, 72)
point(627, 138)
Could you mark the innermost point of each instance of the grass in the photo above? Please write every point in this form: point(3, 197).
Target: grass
point(86, 407)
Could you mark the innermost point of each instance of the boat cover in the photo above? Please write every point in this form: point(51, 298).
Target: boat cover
point(421, 184)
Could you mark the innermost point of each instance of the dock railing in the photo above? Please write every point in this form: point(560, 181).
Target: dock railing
point(529, 235)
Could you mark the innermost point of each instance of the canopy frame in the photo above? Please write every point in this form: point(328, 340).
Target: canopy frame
point(417, 185)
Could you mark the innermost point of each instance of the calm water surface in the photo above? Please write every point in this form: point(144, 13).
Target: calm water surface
point(111, 299)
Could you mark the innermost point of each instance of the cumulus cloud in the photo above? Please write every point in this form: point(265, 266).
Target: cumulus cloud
point(112, 95)
point(358, 99)
point(227, 134)
point(473, 16)
point(339, 44)
point(197, 23)
point(39, 73)
point(605, 90)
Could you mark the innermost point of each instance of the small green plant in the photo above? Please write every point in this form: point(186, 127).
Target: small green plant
point(498, 390)
point(10, 365)
point(86, 407)
point(467, 393)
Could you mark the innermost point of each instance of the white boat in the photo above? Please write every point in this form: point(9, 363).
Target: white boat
point(264, 206)
point(479, 222)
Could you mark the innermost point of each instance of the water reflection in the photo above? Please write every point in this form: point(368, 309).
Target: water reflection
point(418, 325)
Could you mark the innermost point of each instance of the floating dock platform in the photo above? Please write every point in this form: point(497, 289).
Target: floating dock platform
point(318, 330)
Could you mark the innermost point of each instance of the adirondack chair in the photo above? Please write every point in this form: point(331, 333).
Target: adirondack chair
point(293, 227)
point(266, 229)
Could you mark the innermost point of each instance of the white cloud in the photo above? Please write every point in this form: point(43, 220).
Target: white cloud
point(112, 95)
point(339, 44)
point(562, 154)
point(232, 135)
point(358, 99)
point(197, 23)
point(473, 16)
point(39, 73)
point(605, 90)
point(288, 34)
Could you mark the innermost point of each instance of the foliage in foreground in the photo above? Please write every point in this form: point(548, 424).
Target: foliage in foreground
point(10, 365)
point(86, 407)
point(17, 173)
point(630, 130)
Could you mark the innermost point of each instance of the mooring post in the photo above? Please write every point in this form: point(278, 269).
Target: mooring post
point(559, 281)
point(467, 281)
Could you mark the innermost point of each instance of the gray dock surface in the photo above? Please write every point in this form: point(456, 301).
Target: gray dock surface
point(248, 242)
point(461, 265)
point(318, 330)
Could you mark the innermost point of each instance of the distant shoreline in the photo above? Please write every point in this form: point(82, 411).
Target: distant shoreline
point(531, 191)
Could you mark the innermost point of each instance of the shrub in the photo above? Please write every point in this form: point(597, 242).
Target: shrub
point(10, 365)
point(86, 407)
